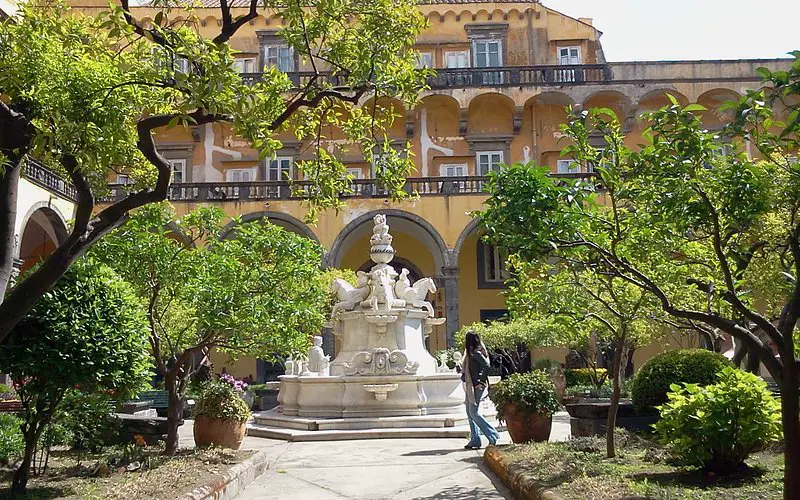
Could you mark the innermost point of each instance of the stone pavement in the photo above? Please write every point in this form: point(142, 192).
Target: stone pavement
point(375, 469)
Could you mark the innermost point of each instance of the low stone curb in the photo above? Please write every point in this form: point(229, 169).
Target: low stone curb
point(233, 482)
point(522, 485)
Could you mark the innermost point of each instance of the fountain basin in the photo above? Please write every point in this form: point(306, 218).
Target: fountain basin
point(346, 396)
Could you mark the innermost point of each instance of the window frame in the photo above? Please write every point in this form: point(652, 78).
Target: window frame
point(465, 53)
point(486, 42)
point(489, 153)
point(279, 170)
point(172, 163)
point(487, 279)
point(569, 49)
point(443, 168)
point(240, 63)
point(425, 54)
point(569, 170)
point(265, 57)
point(251, 171)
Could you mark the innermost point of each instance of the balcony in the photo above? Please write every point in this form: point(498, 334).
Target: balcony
point(299, 190)
point(45, 178)
point(481, 77)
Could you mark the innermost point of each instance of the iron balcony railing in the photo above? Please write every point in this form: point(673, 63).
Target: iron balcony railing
point(299, 190)
point(46, 178)
point(479, 77)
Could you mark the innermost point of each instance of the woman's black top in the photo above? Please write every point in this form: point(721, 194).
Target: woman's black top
point(478, 368)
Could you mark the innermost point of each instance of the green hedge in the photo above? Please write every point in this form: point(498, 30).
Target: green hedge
point(583, 376)
point(692, 366)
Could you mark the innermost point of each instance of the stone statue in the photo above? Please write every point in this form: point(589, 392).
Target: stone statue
point(414, 295)
point(380, 232)
point(348, 295)
point(382, 290)
point(317, 360)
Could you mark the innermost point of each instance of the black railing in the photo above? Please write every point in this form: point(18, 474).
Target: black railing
point(479, 77)
point(299, 190)
point(46, 178)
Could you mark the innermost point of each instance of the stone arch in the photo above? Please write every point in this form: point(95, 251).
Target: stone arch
point(42, 230)
point(543, 116)
point(658, 97)
point(714, 118)
point(469, 229)
point(612, 99)
point(386, 106)
point(283, 220)
point(439, 124)
point(398, 220)
point(491, 113)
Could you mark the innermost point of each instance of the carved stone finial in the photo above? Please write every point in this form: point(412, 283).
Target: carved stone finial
point(381, 250)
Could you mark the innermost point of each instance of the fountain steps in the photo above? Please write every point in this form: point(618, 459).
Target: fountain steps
point(274, 425)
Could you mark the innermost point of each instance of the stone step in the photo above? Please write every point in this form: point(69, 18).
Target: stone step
point(329, 424)
point(296, 435)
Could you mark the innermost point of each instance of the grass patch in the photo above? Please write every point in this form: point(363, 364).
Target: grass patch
point(578, 469)
point(117, 474)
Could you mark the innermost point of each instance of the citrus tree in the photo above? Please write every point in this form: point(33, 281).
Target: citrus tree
point(258, 292)
point(714, 238)
point(86, 95)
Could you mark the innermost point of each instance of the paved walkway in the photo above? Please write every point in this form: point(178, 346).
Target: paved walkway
point(375, 469)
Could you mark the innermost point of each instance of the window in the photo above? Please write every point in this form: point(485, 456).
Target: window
point(279, 169)
point(568, 166)
point(240, 175)
point(245, 65)
point(178, 171)
point(488, 53)
point(456, 59)
point(569, 55)
point(355, 172)
point(279, 56)
point(123, 179)
point(492, 271)
point(424, 59)
point(488, 161)
point(453, 170)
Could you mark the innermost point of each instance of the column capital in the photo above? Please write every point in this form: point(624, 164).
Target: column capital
point(450, 271)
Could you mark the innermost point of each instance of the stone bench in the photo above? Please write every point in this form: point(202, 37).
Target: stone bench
point(152, 429)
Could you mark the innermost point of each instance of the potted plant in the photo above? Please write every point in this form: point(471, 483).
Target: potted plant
point(526, 402)
point(220, 416)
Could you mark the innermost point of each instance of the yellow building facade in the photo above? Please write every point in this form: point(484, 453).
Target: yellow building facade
point(505, 71)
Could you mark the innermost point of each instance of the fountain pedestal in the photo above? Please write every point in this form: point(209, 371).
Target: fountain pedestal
point(383, 369)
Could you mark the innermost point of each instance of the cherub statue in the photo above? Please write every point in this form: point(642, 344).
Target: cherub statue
point(318, 362)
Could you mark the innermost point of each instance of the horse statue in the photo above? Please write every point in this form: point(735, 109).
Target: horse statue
point(415, 294)
point(349, 296)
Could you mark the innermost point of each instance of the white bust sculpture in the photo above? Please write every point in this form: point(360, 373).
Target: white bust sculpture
point(317, 360)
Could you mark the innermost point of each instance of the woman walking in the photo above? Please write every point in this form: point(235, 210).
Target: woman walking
point(476, 381)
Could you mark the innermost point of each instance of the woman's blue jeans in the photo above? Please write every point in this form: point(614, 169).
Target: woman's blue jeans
point(478, 424)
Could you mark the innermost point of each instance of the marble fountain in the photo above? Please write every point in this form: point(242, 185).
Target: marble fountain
point(383, 383)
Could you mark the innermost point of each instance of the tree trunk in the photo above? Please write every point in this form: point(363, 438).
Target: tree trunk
point(616, 375)
point(20, 482)
point(790, 413)
point(174, 410)
point(9, 186)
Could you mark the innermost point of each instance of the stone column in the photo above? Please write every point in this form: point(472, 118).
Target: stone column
point(450, 279)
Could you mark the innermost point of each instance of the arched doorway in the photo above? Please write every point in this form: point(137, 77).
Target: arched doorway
point(43, 230)
point(418, 247)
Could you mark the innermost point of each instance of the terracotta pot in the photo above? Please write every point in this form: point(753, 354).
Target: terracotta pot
point(219, 432)
point(524, 427)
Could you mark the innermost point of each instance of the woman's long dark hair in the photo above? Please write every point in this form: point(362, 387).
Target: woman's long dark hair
point(472, 342)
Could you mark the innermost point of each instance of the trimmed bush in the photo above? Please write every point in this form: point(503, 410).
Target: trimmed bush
point(692, 366)
point(585, 376)
point(718, 426)
point(531, 392)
